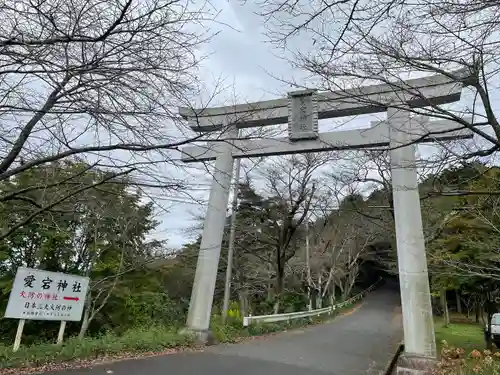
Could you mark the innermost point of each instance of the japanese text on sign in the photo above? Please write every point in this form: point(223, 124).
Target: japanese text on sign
point(302, 119)
point(44, 295)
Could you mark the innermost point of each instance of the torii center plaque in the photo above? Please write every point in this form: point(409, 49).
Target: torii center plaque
point(302, 115)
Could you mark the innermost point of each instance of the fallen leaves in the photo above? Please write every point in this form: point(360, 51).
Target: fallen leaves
point(455, 361)
point(88, 363)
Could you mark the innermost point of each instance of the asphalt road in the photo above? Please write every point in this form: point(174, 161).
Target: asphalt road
point(360, 342)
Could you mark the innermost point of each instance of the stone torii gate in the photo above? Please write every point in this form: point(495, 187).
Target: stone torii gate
point(301, 110)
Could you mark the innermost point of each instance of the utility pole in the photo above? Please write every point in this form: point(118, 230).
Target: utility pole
point(308, 265)
point(230, 250)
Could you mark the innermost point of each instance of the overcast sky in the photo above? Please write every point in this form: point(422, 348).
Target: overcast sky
point(248, 65)
point(253, 71)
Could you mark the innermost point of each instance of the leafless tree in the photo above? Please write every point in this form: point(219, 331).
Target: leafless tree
point(338, 245)
point(268, 240)
point(294, 184)
point(350, 43)
point(97, 82)
point(364, 185)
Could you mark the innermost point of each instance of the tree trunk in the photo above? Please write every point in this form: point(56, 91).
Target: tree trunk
point(459, 302)
point(332, 294)
point(345, 295)
point(341, 287)
point(85, 323)
point(270, 283)
point(280, 279)
point(481, 314)
point(278, 291)
point(309, 298)
point(444, 305)
point(348, 286)
point(489, 339)
point(276, 307)
point(476, 310)
point(489, 307)
point(319, 299)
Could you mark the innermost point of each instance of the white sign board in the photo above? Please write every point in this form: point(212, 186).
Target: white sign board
point(44, 295)
point(302, 116)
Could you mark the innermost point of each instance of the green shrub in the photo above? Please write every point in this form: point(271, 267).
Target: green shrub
point(261, 329)
point(234, 311)
point(229, 332)
point(147, 338)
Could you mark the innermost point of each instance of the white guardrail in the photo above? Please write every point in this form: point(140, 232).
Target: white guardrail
point(247, 320)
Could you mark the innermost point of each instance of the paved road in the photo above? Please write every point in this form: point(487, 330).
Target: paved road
point(357, 343)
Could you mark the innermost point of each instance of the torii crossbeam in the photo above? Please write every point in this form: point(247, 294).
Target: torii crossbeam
point(399, 133)
point(375, 136)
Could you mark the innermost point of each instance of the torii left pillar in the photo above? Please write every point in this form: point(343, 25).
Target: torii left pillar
point(202, 295)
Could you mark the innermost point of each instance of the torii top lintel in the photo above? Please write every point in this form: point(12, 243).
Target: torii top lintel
point(420, 92)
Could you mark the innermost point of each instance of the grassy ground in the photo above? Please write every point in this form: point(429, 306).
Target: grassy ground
point(468, 336)
point(137, 342)
point(133, 341)
point(462, 351)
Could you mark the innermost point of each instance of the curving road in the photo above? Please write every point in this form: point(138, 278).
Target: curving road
point(359, 342)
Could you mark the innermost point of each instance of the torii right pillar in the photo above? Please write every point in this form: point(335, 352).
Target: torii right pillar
point(420, 345)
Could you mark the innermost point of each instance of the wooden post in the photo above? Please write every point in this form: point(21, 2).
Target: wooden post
point(19, 334)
